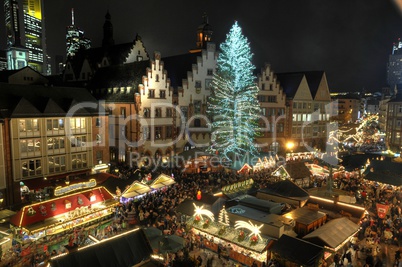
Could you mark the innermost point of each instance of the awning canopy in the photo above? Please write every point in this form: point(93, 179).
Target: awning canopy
point(161, 181)
point(136, 189)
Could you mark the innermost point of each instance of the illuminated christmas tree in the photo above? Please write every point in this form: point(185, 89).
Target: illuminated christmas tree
point(233, 105)
point(223, 217)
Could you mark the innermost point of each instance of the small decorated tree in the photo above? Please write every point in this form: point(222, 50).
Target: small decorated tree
point(223, 217)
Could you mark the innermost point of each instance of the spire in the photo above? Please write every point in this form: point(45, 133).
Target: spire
point(107, 31)
point(72, 16)
point(204, 34)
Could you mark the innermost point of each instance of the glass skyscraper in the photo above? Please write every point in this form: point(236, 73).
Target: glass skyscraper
point(28, 32)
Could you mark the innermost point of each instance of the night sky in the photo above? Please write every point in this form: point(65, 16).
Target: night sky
point(349, 39)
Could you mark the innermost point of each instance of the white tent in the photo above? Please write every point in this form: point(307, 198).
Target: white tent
point(161, 181)
point(135, 189)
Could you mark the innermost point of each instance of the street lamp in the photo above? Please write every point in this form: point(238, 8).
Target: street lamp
point(289, 147)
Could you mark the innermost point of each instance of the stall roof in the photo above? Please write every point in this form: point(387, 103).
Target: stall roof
point(286, 188)
point(260, 216)
point(136, 189)
point(112, 183)
point(260, 204)
point(297, 170)
point(126, 250)
point(297, 250)
point(214, 204)
point(161, 181)
point(305, 215)
point(333, 233)
point(385, 171)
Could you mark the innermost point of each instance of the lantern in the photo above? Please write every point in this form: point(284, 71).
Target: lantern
point(199, 195)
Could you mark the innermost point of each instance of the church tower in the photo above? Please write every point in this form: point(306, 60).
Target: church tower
point(204, 34)
point(107, 31)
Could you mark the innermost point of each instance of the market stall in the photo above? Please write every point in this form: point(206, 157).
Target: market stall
point(66, 212)
point(242, 240)
point(161, 181)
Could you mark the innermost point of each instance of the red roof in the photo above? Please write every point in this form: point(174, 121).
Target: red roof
point(46, 209)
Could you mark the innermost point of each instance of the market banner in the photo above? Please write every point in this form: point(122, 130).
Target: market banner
point(382, 210)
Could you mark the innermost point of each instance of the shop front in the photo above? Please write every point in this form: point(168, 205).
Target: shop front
point(240, 240)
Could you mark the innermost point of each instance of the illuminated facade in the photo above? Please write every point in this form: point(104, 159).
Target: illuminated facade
point(26, 30)
point(75, 39)
point(394, 67)
point(273, 111)
point(309, 108)
point(394, 124)
point(42, 139)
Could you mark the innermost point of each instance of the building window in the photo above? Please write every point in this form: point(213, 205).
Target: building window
point(98, 139)
point(54, 124)
point(162, 94)
point(272, 98)
point(147, 113)
point(158, 132)
point(158, 112)
point(54, 144)
point(169, 112)
point(263, 86)
point(79, 161)
point(146, 133)
point(197, 123)
point(151, 93)
point(210, 72)
point(168, 133)
point(28, 125)
point(57, 164)
point(197, 84)
point(31, 167)
point(123, 112)
point(98, 122)
point(78, 141)
point(30, 145)
point(77, 123)
point(157, 78)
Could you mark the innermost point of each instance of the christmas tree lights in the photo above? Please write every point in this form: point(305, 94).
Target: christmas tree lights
point(233, 104)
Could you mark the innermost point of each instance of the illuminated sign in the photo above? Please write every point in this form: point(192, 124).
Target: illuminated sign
point(73, 187)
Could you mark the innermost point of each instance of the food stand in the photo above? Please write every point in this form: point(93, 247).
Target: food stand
point(65, 212)
point(242, 241)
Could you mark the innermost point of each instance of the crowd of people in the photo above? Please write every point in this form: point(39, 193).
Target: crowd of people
point(157, 209)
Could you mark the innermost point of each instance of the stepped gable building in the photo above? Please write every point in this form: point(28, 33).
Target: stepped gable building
point(44, 132)
point(168, 94)
point(273, 107)
point(308, 112)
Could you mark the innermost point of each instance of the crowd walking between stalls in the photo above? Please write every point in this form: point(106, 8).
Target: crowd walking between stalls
point(157, 209)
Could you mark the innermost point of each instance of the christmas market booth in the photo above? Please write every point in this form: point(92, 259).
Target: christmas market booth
point(128, 249)
point(284, 191)
point(241, 241)
point(294, 252)
point(161, 181)
point(68, 210)
point(296, 171)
